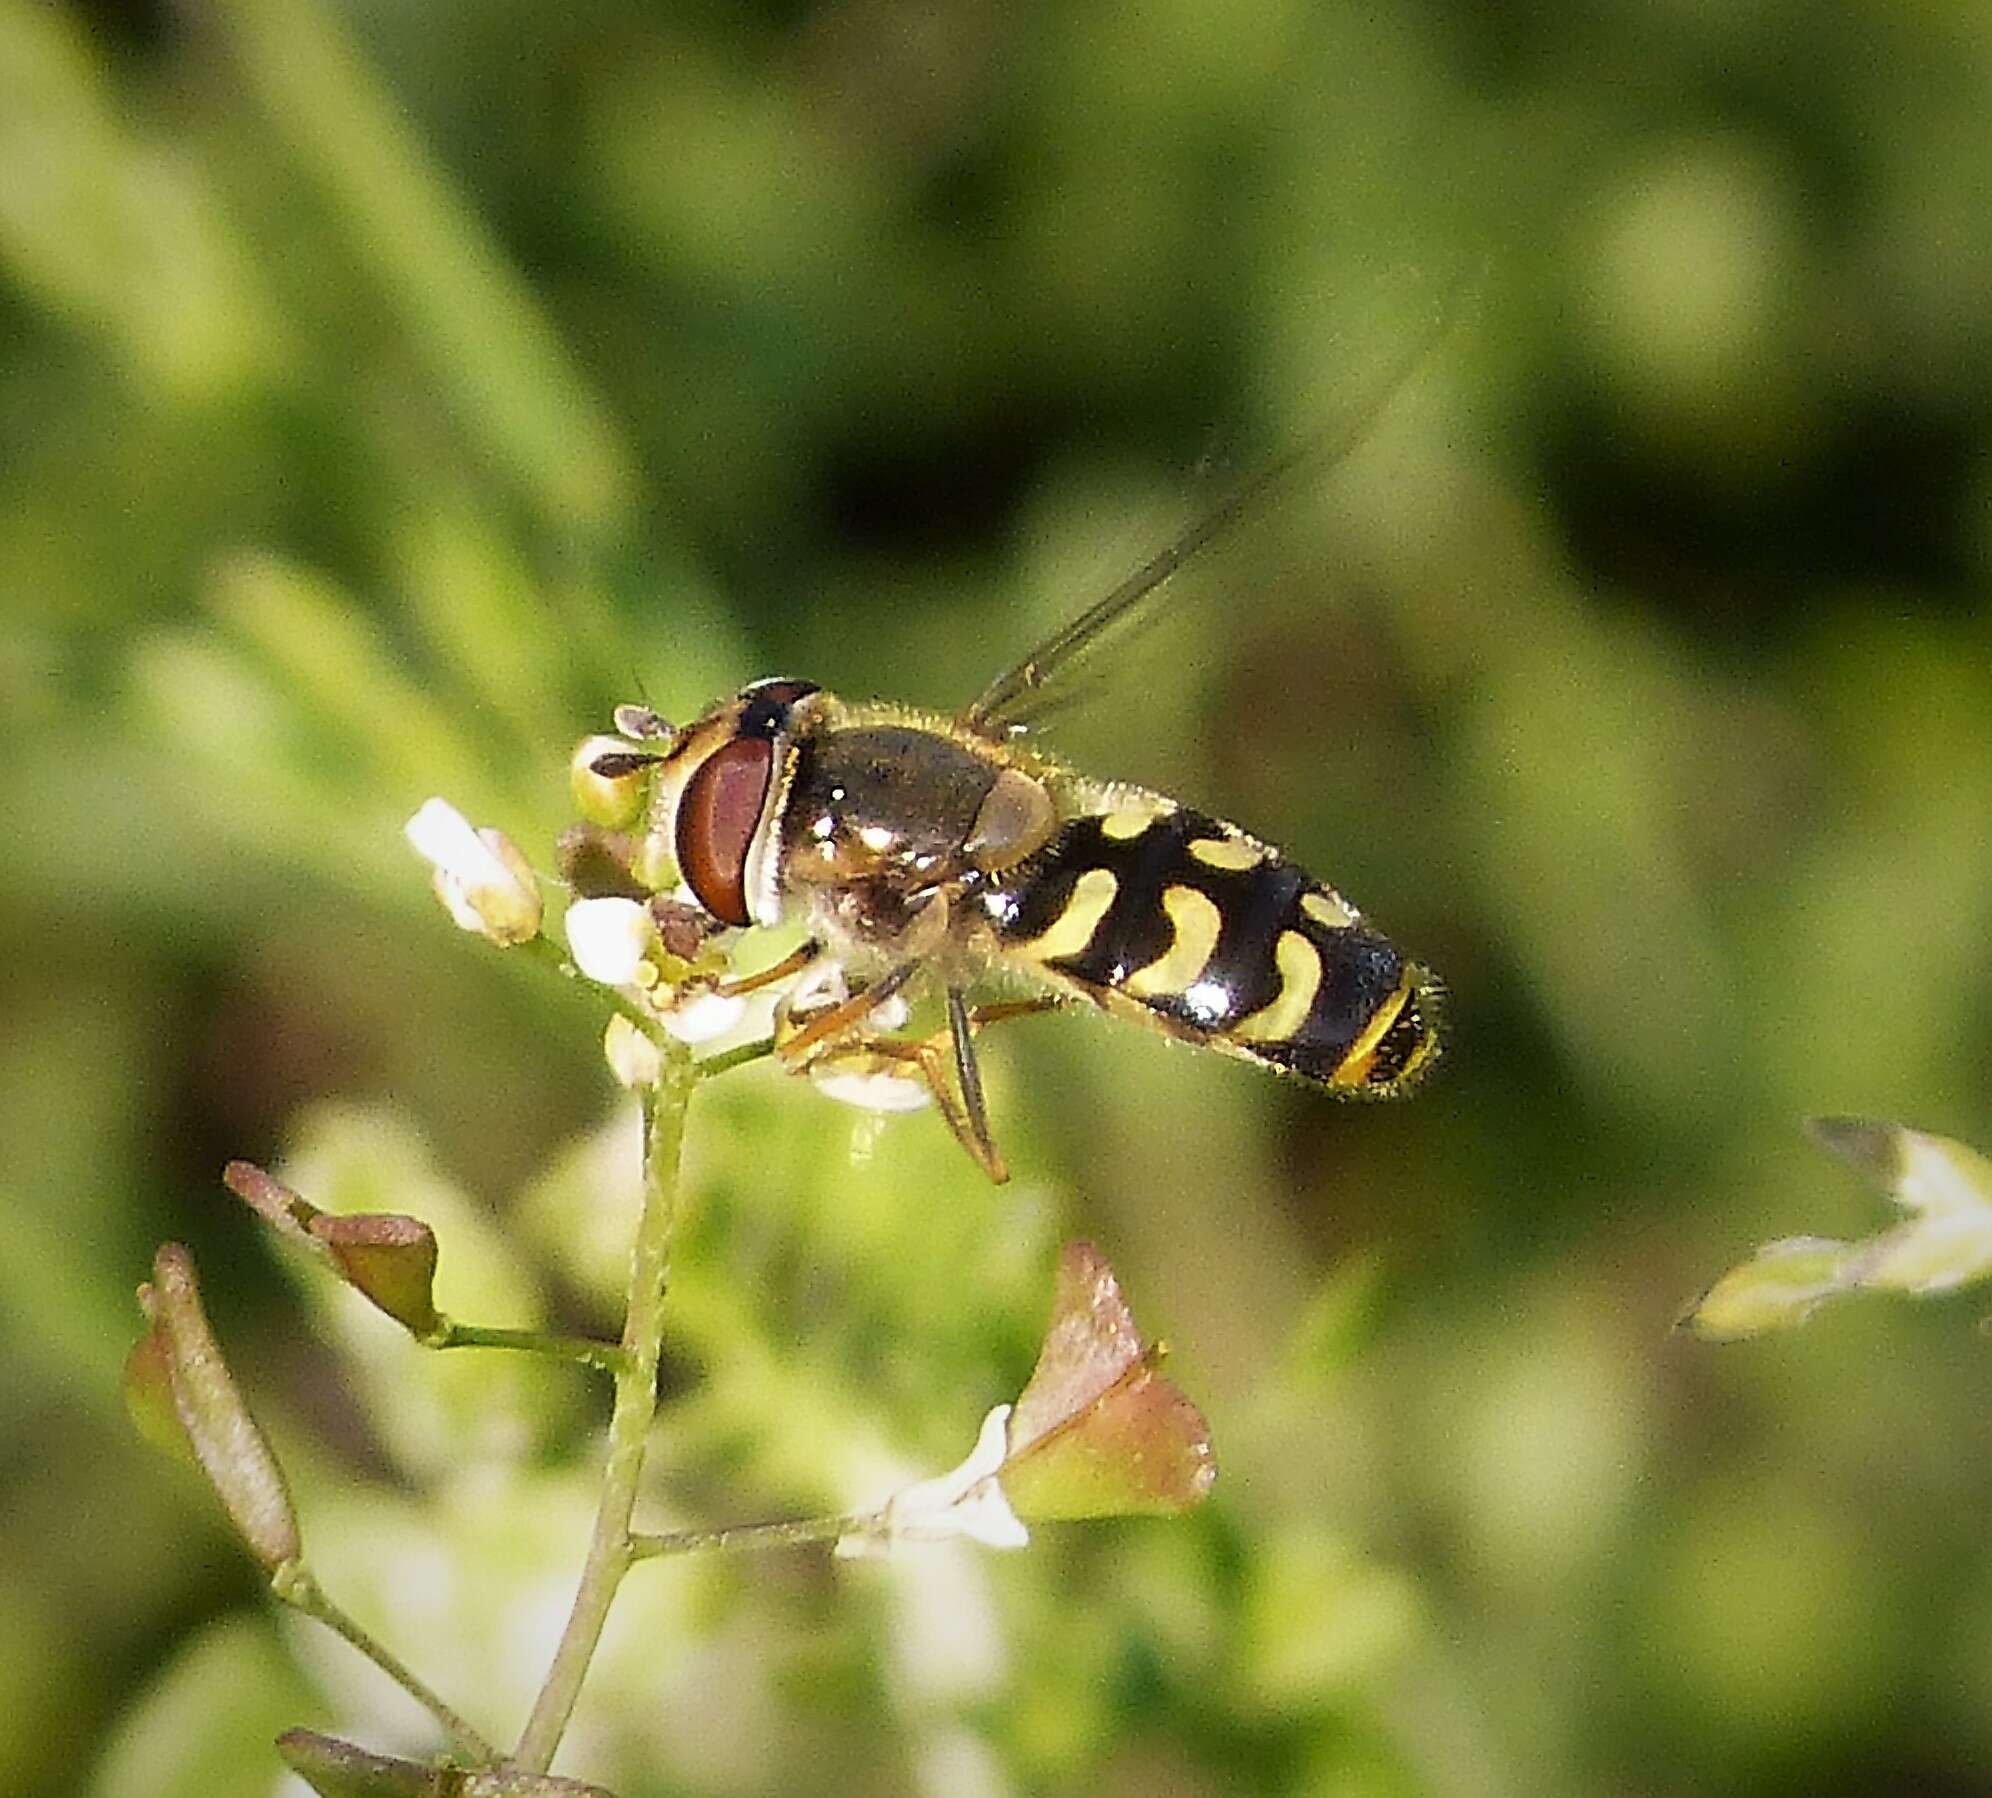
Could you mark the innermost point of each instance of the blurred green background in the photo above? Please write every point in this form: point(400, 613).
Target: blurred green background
point(387, 391)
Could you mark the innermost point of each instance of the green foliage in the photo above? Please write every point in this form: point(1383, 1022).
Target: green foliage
point(387, 393)
point(1946, 1242)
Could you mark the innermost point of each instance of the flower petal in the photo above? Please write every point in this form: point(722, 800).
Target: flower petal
point(965, 1502)
point(483, 881)
point(704, 1017)
point(876, 1089)
point(609, 938)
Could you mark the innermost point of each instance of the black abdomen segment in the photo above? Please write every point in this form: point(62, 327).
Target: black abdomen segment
point(1221, 941)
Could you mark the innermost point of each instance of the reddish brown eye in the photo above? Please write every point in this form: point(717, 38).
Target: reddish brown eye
point(716, 819)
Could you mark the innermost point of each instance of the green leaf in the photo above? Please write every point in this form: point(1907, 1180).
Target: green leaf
point(517, 391)
point(1777, 1288)
point(1337, 1323)
point(1945, 1243)
point(1320, 1618)
point(199, 1722)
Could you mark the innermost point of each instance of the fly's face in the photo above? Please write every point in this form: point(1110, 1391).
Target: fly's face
point(717, 796)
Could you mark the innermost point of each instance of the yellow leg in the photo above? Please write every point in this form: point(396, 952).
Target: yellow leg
point(928, 1055)
point(792, 963)
point(826, 1026)
point(945, 1063)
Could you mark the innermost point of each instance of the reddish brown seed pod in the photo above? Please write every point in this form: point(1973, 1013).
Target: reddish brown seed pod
point(717, 817)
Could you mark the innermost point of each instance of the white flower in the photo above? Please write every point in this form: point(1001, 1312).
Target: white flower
point(893, 1088)
point(967, 1502)
point(609, 938)
point(485, 884)
point(704, 1017)
point(632, 1056)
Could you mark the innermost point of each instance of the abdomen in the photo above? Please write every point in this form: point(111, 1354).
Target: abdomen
point(1167, 913)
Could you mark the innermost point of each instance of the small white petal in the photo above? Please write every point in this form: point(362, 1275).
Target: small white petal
point(875, 1091)
point(482, 879)
point(966, 1502)
point(985, 1516)
point(702, 1017)
point(633, 1057)
point(821, 983)
point(456, 902)
point(442, 835)
point(609, 938)
point(991, 1450)
point(892, 1015)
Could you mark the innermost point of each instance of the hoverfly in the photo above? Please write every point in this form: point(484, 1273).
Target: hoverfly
point(923, 850)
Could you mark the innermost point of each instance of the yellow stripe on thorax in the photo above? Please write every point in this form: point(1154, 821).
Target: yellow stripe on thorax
point(1196, 921)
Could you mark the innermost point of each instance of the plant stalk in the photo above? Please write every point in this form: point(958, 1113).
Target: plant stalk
point(738, 1538)
point(609, 1549)
point(604, 1356)
point(294, 1584)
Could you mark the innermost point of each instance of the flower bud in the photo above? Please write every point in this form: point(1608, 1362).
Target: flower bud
point(609, 939)
point(485, 884)
point(610, 779)
point(633, 1058)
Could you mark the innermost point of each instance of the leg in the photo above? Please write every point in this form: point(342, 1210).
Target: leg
point(847, 1016)
point(1011, 1008)
point(928, 1060)
point(792, 963)
point(968, 1076)
point(955, 1082)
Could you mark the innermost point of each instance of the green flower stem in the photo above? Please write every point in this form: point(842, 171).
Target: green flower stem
point(607, 1356)
point(736, 1058)
point(742, 1537)
point(545, 949)
point(293, 1583)
point(609, 1550)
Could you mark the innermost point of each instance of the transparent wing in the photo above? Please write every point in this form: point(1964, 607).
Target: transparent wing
point(1059, 670)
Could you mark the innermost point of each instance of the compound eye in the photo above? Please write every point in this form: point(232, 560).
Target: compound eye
point(716, 820)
